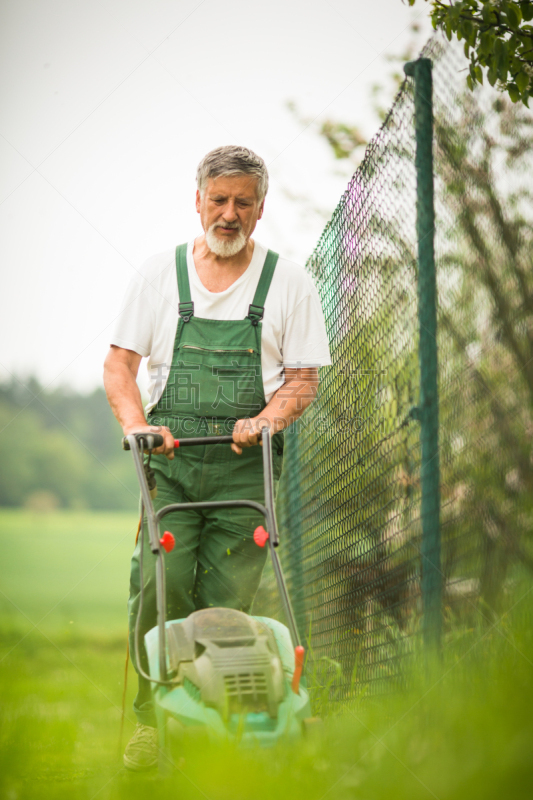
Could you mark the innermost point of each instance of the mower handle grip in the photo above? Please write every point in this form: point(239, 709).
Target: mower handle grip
point(203, 440)
point(153, 440)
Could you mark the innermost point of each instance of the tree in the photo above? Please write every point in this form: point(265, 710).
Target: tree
point(61, 448)
point(497, 37)
point(485, 342)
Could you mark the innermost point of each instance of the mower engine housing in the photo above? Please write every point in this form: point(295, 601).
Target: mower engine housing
point(228, 660)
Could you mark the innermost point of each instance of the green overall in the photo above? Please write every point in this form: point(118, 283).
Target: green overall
point(215, 378)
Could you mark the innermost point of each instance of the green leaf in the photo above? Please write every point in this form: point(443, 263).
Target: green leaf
point(527, 10)
point(485, 43)
point(470, 82)
point(522, 80)
point(502, 60)
point(454, 11)
point(468, 29)
point(479, 74)
point(488, 15)
point(492, 75)
point(513, 15)
point(514, 92)
point(467, 50)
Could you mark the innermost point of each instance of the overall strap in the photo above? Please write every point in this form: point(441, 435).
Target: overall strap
point(186, 306)
point(257, 306)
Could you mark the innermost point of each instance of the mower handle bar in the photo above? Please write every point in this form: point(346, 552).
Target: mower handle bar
point(153, 440)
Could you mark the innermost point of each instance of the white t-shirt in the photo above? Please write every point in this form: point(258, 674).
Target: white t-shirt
point(293, 330)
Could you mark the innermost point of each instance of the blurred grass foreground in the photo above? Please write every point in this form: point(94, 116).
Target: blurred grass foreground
point(461, 728)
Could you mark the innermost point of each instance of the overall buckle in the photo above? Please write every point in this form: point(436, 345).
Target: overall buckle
point(186, 310)
point(255, 313)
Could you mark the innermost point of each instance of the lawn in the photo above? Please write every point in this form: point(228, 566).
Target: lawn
point(66, 571)
point(463, 730)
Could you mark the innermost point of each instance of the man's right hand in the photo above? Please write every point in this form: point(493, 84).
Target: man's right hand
point(167, 448)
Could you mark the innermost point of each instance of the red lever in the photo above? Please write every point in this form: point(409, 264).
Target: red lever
point(167, 541)
point(176, 442)
point(299, 655)
point(260, 536)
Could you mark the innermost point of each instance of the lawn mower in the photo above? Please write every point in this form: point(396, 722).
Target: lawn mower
point(220, 671)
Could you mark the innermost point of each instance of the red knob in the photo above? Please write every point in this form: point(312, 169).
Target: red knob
point(260, 536)
point(167, 541)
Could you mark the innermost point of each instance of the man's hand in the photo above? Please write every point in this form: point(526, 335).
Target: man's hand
point(284, 408)
point(247, 432)
point(167, 449)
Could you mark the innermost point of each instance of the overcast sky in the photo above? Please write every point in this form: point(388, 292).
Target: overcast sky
point(108, 106)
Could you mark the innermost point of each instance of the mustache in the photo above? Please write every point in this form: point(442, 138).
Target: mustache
point(232, 225)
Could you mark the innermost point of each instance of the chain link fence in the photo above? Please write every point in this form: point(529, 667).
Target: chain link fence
point(350, 498)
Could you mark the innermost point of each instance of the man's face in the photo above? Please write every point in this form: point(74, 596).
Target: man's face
point(229, 210)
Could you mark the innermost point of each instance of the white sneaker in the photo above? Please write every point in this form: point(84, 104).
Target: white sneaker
point(142, 751)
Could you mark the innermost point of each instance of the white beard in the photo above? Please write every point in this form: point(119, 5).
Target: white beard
point(224, 249)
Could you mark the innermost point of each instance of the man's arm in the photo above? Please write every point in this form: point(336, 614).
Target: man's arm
point(120, 380)
point(284, 408)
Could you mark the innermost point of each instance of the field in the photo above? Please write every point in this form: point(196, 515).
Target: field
point(464, 729)
point(66, 572)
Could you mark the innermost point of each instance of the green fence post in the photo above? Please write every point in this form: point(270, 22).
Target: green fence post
point(427, 353)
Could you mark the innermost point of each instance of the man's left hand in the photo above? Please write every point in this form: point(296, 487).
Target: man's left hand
point(247, 432)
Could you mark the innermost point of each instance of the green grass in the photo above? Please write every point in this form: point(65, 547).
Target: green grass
point(463, 731)
point(66, 571)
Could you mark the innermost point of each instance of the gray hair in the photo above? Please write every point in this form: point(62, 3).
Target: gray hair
point(232, 160)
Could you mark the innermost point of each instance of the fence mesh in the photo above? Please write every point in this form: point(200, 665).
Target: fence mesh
point(349, 504)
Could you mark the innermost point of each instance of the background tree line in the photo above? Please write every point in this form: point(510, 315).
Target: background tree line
point(61, 449)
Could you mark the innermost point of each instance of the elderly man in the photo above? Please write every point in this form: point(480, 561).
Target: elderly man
point(234, 336)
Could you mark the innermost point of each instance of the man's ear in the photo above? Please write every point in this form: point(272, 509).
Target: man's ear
point(198, 198)
point(261, 209)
